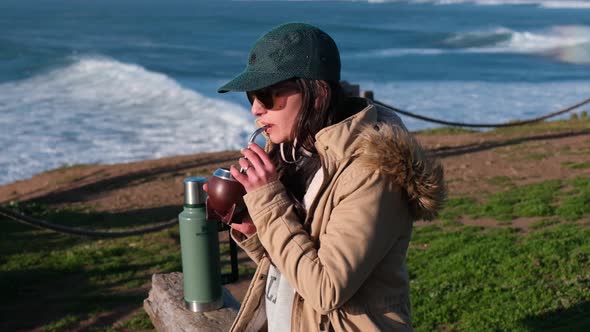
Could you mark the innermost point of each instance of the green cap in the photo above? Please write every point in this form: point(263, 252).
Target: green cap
point(287, 51)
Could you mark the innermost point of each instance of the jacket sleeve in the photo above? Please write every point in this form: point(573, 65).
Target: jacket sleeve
point(251, 245)
point(367, 218)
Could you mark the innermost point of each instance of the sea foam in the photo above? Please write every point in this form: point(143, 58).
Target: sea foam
point(550, 4)
point(99, 110)
point(569, 44)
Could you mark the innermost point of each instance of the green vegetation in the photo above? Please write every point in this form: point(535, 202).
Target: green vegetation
point(549, 126)
point(499, 280)
point(463, 278)
point(544, 199)
point(537, 156)
point(500, 181)
point(455, 207)
point(543, 223)
point(582, 165)
point(64, 279)
point(575, 203)
point(496, 279)
point(66, 322)
point(139, 321)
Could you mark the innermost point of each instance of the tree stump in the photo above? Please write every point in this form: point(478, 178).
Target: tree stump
point(165, 306)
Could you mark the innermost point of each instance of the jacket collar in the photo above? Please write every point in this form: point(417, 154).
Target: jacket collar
point(337, 141)
point(380, 142)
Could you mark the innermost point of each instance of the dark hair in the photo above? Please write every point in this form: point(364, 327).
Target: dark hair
point(296, 177)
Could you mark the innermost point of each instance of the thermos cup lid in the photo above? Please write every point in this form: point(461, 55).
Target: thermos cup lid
point(193, 190)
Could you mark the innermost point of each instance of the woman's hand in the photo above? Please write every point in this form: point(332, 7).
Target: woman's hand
point(259, 169)
point(246, 227)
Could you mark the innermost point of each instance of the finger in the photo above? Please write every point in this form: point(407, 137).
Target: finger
point(264, 157)
point(241, 178)
point(246, 179)
point(244, 164)
point(239, 227)
point(205, 187)
point(253, 174)
point(255, 161)
point(246, 229)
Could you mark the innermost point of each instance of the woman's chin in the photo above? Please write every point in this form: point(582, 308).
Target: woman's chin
point(274, 139)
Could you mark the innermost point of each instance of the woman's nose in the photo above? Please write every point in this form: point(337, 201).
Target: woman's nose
point(257, 108)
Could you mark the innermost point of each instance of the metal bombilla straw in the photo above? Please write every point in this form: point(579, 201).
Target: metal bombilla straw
point(251, 140)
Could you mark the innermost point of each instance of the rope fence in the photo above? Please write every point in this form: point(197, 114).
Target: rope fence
point(34, 222)
point(485, 125)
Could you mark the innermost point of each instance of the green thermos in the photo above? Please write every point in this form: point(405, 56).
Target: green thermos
point(199, 245)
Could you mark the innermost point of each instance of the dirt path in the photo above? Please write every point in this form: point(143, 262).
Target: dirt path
point(474, 163)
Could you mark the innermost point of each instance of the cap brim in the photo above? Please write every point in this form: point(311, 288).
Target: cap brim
point(252, 80)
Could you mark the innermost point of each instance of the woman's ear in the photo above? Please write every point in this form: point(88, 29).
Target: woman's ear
point(323, 94)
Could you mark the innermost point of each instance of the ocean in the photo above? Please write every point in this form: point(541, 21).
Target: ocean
point(114, 81)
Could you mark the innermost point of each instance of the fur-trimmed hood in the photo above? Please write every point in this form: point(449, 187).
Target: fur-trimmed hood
point(379, 140)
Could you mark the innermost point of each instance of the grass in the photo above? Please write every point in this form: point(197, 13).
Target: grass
point(583, 165)
point(498, 280)
point(64, 323)
point(549, 126)
point(543, 223)
point(139, 321)
point(463, 278)
point(537, 156)
point(500, 181)
point(579, 151)
point(544, 199)
point(575, 203)
point(81, 278)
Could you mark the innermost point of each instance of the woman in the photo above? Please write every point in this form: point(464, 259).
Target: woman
point(332, 197)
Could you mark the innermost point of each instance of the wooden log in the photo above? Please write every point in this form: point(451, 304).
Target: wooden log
point(165, 306)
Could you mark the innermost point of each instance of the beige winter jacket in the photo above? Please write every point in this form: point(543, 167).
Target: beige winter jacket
point(347, 260)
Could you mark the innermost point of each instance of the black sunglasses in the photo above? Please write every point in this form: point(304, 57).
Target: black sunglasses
point(267, 95)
